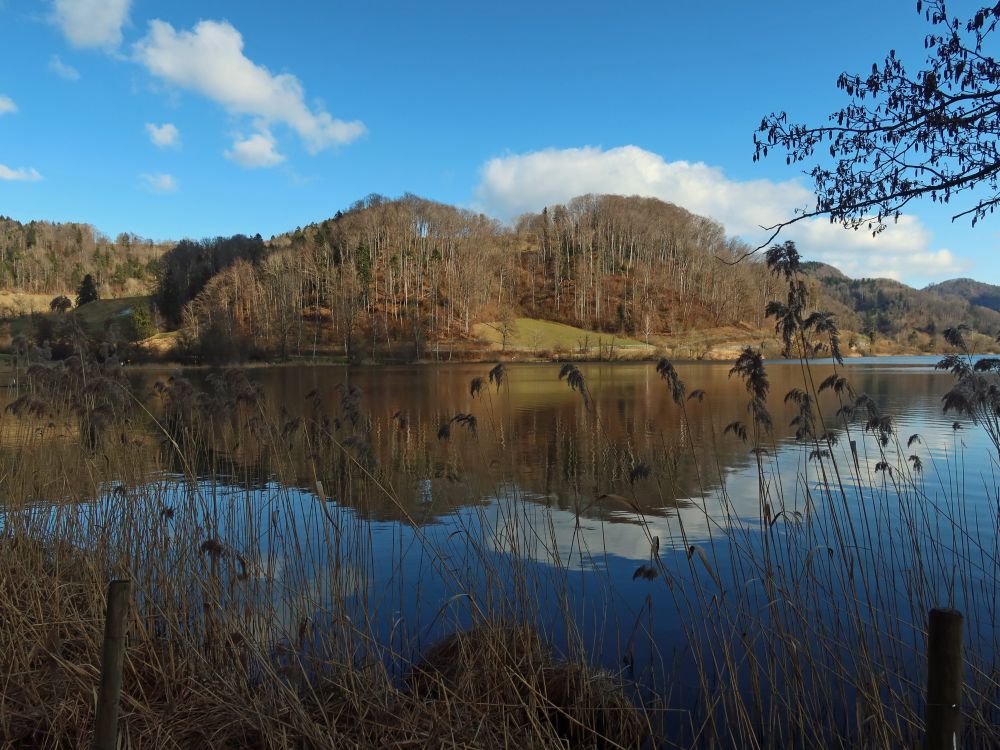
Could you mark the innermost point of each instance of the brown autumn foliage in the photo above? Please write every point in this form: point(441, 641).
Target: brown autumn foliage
point(42, 256)
point(411, 272)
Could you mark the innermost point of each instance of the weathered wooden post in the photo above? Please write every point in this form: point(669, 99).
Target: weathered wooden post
point(944, 679)
point(112, 659)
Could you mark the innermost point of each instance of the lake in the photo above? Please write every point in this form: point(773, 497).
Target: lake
point(627, 527)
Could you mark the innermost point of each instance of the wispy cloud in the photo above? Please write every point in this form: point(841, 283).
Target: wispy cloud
point(209, 60)
point(61, 69)
point(159, 183)
point(518, 183)
point(7, 105)
point(22, 174)
point(91, 23)
point(164, 136)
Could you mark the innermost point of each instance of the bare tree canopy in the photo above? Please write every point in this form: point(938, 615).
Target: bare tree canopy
point(904, 135)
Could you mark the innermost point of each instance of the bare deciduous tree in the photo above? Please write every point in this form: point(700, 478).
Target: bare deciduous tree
point(905, 135)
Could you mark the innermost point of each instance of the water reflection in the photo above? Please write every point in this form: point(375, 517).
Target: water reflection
point(546, 479)
point(536, 433)
point(538, 510)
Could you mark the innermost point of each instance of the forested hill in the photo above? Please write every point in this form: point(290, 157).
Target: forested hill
point(976, 292)
point(44, 257)
point(411, 271)
point(414, 271)
point(889, 308)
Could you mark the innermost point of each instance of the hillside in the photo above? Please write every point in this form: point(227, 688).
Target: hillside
point(527, 334)
point(401, 276)
point(888, 308)
point(41, 257)
point(408, 278)
point(976, 292)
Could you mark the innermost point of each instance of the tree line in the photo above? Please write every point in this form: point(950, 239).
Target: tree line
point(403, 275)
point(399, 276)
point(184, 270)
point(47, 257)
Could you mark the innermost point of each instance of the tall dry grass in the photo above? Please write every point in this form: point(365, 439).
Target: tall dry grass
point(276, 606)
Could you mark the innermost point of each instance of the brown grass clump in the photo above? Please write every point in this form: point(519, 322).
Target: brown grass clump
point(489, 687)
point(512, 667)
point(52, 628)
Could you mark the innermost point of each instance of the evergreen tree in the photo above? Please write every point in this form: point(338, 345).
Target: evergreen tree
point(168, 298)
point(87, 291)
point(142, 326)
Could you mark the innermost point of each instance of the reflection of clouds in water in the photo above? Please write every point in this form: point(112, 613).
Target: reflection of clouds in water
point(425, 489)
point(523, 524)
point(519, 524)
point(555, 536)
point(949, 458)
point(286, 606)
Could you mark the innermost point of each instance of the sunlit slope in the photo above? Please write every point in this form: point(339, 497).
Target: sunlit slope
point(531, 334)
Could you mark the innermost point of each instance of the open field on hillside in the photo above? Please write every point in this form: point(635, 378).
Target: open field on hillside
point(14, 304)
point(533, 335)
point(16, 309)
point(96, 315)
point(545, 338)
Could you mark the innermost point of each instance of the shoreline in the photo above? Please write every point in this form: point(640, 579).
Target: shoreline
point(333, 361)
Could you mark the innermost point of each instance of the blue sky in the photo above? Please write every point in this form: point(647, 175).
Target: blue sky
point(187, 119)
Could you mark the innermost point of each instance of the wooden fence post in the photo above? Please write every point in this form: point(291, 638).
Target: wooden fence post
point(944, 679)
point(112, 659)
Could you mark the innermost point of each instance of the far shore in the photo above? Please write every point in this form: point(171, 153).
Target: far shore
point(488, 357)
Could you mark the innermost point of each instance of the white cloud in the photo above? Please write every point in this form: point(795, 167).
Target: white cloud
point(209, 59)
point(91, 23)
point(22, 174)
point(63, 70)
point(903, 251)
point(7, 105)
point(159, 183)
point(519, 183)
point(164, 136)
point(259, 150)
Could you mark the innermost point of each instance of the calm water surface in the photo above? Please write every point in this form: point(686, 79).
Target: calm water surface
point(542, 492)
point(538, 446)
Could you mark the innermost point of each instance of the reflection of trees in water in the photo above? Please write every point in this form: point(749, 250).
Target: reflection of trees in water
point(533, 431)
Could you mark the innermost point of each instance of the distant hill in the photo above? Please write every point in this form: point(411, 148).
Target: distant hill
point(822, 271)
point(976, 292)
point(893, 309)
